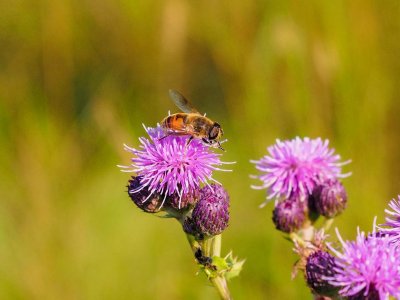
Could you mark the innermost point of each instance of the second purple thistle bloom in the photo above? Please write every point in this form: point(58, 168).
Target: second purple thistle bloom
point(367, 268)
point(170, 166)
point(392, 226)
point(295, 167)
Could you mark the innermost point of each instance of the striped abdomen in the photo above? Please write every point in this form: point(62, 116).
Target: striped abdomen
point(176, 123)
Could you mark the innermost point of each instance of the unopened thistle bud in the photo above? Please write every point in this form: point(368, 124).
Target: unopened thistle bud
point(320, 265)
point(330, 198)
point(210, 216)
point(186, 201)
point(289, 215)
point(142, 197)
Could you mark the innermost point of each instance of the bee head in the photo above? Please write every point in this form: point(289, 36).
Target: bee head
point(215, 132)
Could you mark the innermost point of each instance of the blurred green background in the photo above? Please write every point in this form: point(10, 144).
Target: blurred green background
point(77, 80)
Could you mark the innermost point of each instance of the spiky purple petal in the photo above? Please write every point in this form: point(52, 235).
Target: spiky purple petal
point(168, 165)
point(367, 267)
point(392, 225)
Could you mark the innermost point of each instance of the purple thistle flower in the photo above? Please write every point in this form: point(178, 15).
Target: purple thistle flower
point(184, 202)
point(320, 265)
point(392, 225)
point(329, 198)
point(210, 216)
point(297, 166)
point(168, 165)
point(367, 268)
point(141, 197)
point(289, 215)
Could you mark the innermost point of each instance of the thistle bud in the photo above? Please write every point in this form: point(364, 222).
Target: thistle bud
point(329, 198)
point(186, 201)
point(289, 215)
point(210, 216)
point(141, 196)
point(320, 265)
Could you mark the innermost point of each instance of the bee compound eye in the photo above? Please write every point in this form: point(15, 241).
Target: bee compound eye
point(213, 133)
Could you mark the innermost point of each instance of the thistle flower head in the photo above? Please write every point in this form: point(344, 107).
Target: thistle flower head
point(289, 215)
point(297, 166)
point(367, 268)
point(392, 225)
point(329, 198)
point(320, 265)
point(210, 216)
point(168, 165)
point(186, 201)
point(143, 199)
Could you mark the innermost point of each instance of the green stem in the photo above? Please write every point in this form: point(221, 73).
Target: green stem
point(212, 247)
point(219, 281)
point(216, 246)
point(222, 287)
point(296, 238)
point(207, 246)
point(307, 233)
point(193, 243)
point(327, 224)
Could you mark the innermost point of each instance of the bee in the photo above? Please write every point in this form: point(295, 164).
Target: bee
point(191, 122)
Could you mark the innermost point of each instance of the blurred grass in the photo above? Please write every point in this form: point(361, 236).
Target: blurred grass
point(77, 80)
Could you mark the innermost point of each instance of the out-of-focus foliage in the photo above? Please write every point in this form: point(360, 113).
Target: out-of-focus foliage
point(77, 80)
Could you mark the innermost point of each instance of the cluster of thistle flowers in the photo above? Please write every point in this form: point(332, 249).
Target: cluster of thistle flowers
point(169, 178)
point(175, 177)
point(303, 176)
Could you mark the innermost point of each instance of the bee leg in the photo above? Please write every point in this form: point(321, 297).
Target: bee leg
point(205, 141)
point(189, 140)
point(161, 138)
point(219, 146)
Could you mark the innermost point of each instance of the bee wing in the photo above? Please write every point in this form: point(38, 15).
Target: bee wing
point(182, 103)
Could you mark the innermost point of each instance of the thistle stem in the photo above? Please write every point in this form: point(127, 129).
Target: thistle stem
point(216, 246)
point(193, 243)
point(207, 246)
point(296, 238)
point(327, 224)
point(222, 287)
point(220, 281)
point(307, 232)
point(212, 247)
